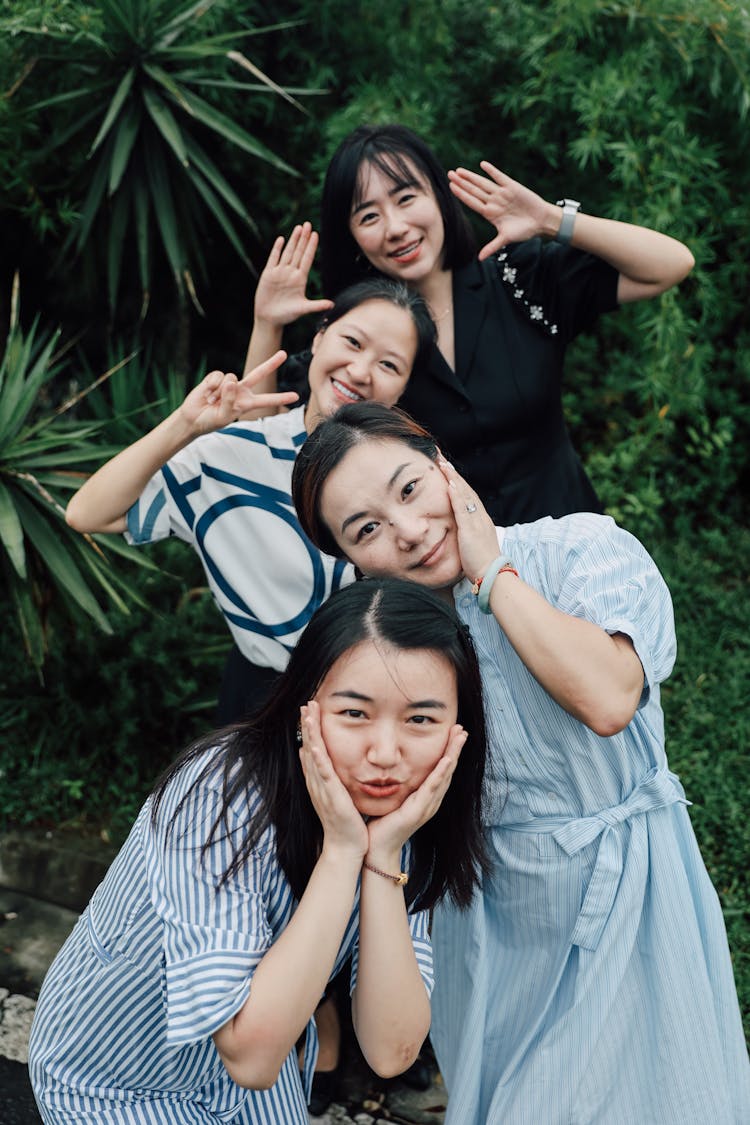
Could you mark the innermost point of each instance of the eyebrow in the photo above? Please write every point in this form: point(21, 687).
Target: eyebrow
point(394, 191)
point(421, 704)
point(359, 515)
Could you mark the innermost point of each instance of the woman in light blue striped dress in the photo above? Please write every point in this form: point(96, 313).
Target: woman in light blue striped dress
point(325, 827)
point(590, 983)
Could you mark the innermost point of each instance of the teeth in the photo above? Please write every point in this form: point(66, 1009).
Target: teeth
point(347, 392)
point(406, 250)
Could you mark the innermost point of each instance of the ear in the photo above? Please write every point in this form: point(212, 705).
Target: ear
point(318, 335)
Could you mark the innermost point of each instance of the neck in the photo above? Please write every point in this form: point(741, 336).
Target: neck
point(437, 290)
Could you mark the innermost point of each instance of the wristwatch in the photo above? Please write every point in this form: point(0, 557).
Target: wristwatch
point(570, 210)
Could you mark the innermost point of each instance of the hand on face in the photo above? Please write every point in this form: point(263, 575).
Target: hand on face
point(280, 296)
point(388, 834)
point(477, 538)
point(343, 827)
point(516, 211)
point(221, 398)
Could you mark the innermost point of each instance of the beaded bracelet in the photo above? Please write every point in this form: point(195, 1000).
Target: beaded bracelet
point(400, 880)
point(482, 587)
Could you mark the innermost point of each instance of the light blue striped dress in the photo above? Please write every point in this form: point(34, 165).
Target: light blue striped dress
point(591, 982)
point(159, 960)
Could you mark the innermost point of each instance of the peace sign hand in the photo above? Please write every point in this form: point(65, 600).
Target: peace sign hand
point(280, 294)
point(220, 398)
point(514, 210)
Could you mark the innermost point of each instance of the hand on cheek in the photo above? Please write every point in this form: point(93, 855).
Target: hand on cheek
point(477, 538)
point(392, 831)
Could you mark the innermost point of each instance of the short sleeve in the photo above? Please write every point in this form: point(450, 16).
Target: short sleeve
point(559, 285)
point(213, 934)
point(612, 580)
point(163, 508)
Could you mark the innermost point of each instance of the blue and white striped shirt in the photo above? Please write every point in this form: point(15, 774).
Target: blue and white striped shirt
point(161, 958)
point(228, 494)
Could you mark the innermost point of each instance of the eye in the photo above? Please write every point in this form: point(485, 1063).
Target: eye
point(408, 488)
point(353, 713)
point(407, 197)
point(364, 530)
point(390, 365)
point(353, 341)
point(421, 720)
point(367, 217)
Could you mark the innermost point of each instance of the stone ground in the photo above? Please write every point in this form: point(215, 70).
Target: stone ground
point(43, 886)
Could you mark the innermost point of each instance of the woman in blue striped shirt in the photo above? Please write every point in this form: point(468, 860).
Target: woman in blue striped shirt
point(590, 983)
point(324, 827)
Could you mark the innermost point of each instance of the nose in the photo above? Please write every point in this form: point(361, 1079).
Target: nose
point(409, 530)
point(358, 369)
point(396, 224)
point(383, 750)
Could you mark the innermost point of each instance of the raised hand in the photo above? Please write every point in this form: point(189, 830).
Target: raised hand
point(515, 211)
point(477, 537)
point(280, 294)
point(221, 398)
point(389, 833)
point(343, 827)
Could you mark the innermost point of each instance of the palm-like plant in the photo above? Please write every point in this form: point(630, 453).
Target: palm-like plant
point(130, 75)
point(39, 553)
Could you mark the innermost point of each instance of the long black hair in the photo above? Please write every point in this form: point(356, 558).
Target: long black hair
point(261, 755)
point(327, 446)
point(396, 151)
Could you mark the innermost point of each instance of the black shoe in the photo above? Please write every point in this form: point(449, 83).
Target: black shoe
point(325, 1085)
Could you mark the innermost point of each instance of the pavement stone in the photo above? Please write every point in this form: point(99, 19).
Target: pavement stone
point(44, 884)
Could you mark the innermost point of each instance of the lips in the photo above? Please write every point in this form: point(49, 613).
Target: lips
point(432, 555)
point(406, 253)
point(380, 787)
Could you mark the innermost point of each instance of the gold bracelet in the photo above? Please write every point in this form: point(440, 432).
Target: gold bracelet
point(400, 880)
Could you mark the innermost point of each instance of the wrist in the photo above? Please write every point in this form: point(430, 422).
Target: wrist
point(568, 209)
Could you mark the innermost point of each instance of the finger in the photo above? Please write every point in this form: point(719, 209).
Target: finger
point(323, 305)
point(211, 384)
point(291, 247)
point(309, 250)
point(467, 198)
point(271, 398)
point(472, 181)
point(492, 247)
point(301, 245)
point(250, 378)
point(498, 176)
point(274, 256)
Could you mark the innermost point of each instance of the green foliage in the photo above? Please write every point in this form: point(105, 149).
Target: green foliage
point(86, 747)
point(133, 82)
point(45, 565)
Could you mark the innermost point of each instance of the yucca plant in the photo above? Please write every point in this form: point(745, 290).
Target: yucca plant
point(46, 566)
point(136, 81)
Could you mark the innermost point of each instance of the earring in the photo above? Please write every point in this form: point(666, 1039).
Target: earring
point(299, 735)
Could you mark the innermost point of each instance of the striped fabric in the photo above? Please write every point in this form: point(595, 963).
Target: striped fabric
point(160, 959)
point(591, 981)
point(228, 494)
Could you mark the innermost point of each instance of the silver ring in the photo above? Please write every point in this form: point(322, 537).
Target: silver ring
point(471, 507)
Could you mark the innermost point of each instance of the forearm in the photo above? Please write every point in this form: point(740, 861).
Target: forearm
point(648, 262)
point(291, 978)
point(596, 677)
point(101, 504)
point(265, 341)
point(390, 1006)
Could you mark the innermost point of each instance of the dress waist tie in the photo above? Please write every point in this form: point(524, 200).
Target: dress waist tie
point(658, 789)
